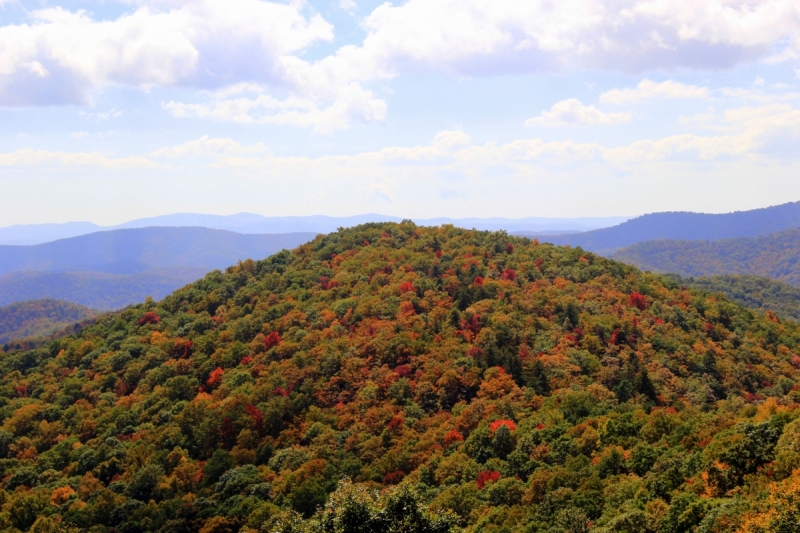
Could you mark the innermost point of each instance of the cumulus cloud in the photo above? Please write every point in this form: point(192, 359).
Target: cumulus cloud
point(247, 55)
point(488, 37)
point(573, 113)
point(63, 57)
point(205, 44)
point(649, 89)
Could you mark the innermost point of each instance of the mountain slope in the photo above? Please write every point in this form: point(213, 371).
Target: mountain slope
point(774, 256)
point(686, 226)
point(134, 250)
point(519, 386)
point(39, 318)
point(98, 290)
point(753, 292)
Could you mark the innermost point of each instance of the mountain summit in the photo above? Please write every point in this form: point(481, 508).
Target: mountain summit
point(498, 383)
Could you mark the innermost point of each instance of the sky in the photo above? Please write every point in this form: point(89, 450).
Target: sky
point(115, 110)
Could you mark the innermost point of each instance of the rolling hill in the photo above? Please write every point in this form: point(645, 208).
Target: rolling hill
point(481, 381)
point(39, 318)
point(774, 256)
point(685, 226)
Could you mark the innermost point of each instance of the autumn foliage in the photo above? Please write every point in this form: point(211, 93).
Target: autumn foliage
point(149, 318)
point(272, 340)
point(486, 476)
point(457, 379)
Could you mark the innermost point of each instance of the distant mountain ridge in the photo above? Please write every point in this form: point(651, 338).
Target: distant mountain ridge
point(776, 256)
point(112, 269)
point(129, 251)
point(98, 290)
point(250, 223)
point(686, 226)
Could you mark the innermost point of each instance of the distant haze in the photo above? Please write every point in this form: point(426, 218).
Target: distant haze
point(112, 269)
point(250, 223)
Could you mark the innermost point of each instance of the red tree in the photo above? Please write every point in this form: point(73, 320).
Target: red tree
point(494, 426)
point(215, 378)
point(393, 478)
point(257, 419)
point(272, 340)
point(510, 274)
point(487, 476)
point(149, 318)
point(395, 423)
point(406, 286)
point(453, 437)
point(638, 301)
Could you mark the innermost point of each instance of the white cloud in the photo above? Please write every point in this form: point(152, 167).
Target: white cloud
point(649, 89)
point(747, 133)
point(45, 158)
point(489, 37)
point(112, 113)
point(63, 57)
point(344, 104)
point(573, 113)
point(247, 55)
point(205, 44)
point(206, 146)
point(348, 5)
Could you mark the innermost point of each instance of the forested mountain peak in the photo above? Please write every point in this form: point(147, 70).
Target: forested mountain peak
point(478, 380)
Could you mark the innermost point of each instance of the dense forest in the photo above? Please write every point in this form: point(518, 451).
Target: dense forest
point(773, 256)
point(754, 292)
point(392, 377)
point(39, 318)
point(686, 226)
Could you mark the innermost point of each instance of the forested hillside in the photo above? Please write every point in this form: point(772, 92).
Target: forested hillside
point(754, 292)
point(773, 256)
point(686, 226)
point(39, 318)
point(482, 381)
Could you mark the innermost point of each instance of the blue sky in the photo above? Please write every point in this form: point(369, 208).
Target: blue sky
point(114, 110)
